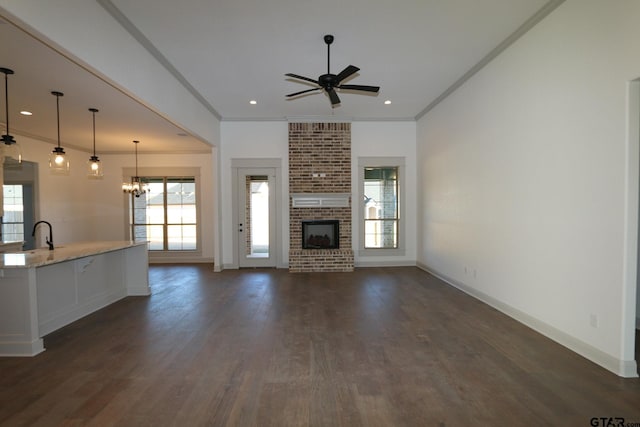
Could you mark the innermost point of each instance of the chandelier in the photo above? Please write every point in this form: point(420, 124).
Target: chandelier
point(136, 186)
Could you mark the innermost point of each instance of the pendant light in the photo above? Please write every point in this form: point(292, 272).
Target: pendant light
point(58, 160)
point(11, 148)
point(94, 167)
point(136, 186)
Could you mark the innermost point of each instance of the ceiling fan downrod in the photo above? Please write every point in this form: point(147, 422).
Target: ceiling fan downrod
point(328, 39)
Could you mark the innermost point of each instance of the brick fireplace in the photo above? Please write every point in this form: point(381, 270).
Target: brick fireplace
point(320, 165)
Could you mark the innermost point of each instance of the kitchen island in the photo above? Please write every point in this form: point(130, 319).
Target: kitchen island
point(43, 290)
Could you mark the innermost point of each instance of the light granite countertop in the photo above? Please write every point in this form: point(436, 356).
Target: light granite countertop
point(65, 252)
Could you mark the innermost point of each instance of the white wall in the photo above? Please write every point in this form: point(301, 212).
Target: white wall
point(117, 201)
point(77, 207)
point(83, 209)
point(252, 140)
point(89, 34)
point(386, 139)
point(523, 182)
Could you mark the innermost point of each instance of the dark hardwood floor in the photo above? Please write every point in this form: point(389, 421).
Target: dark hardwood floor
point(377, 347)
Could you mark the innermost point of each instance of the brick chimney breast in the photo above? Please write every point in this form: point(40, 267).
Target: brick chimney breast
point(320, 162)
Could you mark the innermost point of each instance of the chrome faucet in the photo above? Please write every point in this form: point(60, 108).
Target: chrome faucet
point(49, 239)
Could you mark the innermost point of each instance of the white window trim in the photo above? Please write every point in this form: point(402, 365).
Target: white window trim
point(377, 162)
point(169, 255)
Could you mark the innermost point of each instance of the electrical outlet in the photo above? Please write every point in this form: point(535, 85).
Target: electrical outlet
point(593, 320)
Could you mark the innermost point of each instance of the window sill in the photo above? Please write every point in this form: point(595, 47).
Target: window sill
point(381, 252)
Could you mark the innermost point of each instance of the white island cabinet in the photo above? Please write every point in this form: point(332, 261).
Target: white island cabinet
point(43, 290)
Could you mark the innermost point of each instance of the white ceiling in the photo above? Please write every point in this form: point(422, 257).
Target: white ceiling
point(232, 51)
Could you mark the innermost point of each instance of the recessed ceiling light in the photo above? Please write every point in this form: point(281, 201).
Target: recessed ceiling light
point(253, 102)
point(26, 113)
point(387, 102)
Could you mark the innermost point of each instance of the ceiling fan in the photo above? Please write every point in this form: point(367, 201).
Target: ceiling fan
point(330, 82)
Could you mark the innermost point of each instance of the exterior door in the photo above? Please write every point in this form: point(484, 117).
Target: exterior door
point(256, 221)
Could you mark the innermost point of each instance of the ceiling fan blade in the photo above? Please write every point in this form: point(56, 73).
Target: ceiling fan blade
point(361, 87)
point(303, 91)
point(333, 96)
point(295, 76)
point(347, 72)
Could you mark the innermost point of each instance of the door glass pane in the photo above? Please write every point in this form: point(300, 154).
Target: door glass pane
point(257, 217)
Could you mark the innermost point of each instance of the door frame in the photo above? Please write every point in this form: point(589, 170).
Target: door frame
point(26, 175)
point(258, 163)
point(631, 262)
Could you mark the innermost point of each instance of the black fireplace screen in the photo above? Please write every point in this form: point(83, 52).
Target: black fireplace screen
point(320, 234)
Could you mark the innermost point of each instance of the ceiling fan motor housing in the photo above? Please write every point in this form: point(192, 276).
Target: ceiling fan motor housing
point(327, 81)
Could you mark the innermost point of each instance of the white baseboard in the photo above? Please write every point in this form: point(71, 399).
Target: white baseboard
point(138, 291)
point(623, 368)
point(371, 264)
point(21, 349)
point(180, 260)
point(282, 266)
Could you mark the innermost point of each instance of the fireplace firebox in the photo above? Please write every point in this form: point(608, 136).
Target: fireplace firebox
point(321, 234)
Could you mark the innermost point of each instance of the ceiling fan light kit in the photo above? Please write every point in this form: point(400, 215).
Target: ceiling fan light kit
point(330, 82)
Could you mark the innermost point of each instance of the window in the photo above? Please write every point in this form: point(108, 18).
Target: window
point(13, 219)
point(381, 227)
point(166, 216)
point(381, 207)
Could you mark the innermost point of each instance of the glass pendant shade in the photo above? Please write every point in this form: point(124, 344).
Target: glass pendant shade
point(94, 167)
point(58, 160)
point(10, 149)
